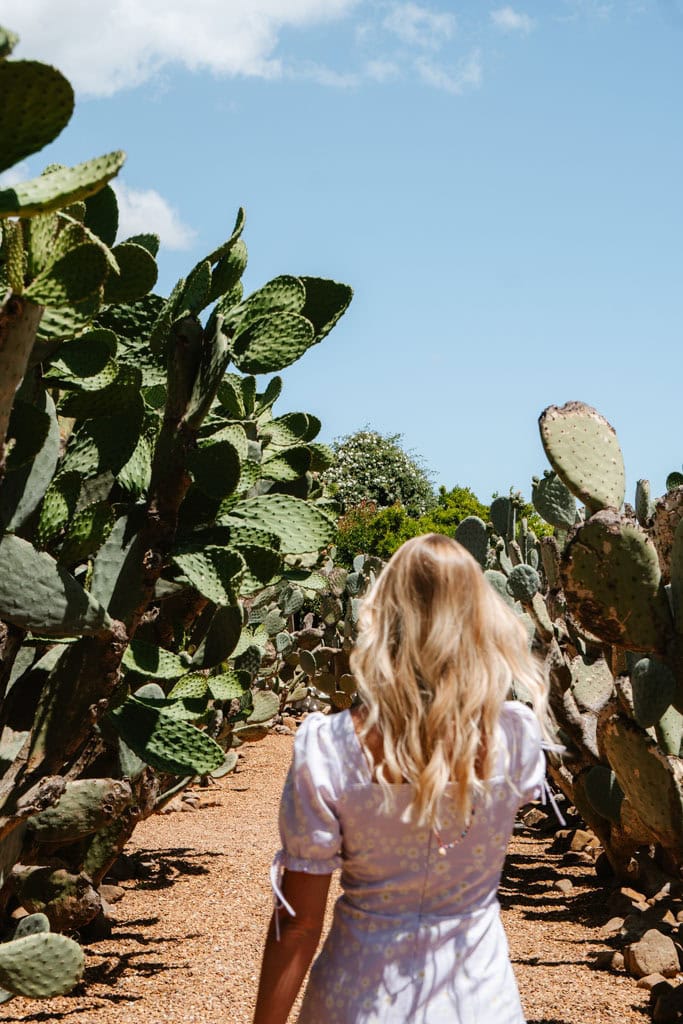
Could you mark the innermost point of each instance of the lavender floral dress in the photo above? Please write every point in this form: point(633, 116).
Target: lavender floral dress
point(416, 936)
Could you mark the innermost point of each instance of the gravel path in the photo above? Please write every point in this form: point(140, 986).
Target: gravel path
point(187, 941)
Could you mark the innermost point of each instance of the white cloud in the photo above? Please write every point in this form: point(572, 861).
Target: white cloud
point(107, 46)
point(418, 26)
point(145, 210)
point(382, 70)
point(467, 75)
point(508, 20)
point(13, 175)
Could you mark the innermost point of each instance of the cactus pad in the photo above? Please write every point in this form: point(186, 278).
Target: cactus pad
point(584, 451)
point(301, 527)
point(86, 806)
point(216, 468)
point(56, 189)
point(213, 571)
point(55, 604)
point(604, 793)
point(272, 342)
point(163, 742)
point(326, 302)
point(41, 965)
point(152, 662)
point(523, 583)
point(36, 102)
point(473, 536)
point(553, 501)
point(653, 686)
point(612, 582)
point(652, 782)
point(137, 274)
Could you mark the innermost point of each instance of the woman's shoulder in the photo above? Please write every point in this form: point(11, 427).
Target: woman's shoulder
point(326, 740)
point(519, 721)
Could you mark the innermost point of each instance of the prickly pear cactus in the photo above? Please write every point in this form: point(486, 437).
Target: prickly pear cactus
point(148, 495)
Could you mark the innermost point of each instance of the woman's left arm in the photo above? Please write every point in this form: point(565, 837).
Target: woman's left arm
point(286, 960)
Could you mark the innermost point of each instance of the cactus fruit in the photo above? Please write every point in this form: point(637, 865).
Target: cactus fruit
point(584, 451)
point(612, 583)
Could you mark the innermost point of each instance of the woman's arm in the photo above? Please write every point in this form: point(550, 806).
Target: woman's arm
point(285, 962)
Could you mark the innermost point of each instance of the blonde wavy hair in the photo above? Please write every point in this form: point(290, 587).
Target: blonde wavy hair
point(437, 652)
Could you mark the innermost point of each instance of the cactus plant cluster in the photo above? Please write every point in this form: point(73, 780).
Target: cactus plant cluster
point(148, 493)
point(314, 626)
point(613, 653)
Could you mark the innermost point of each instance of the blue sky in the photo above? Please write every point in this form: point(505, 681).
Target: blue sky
point(500, 183)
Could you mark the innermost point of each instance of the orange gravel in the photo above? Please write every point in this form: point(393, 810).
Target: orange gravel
point(186, 944)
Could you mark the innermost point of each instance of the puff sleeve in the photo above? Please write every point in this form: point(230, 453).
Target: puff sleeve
point(527, 758)
point(309, 827)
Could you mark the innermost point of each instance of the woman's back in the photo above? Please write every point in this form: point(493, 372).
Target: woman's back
point(406, 910)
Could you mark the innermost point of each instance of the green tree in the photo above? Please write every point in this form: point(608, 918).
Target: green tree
point(374, 467)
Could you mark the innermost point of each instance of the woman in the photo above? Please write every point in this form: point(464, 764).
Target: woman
point(413, 795)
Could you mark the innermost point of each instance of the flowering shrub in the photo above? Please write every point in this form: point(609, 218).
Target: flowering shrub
point(372, 467)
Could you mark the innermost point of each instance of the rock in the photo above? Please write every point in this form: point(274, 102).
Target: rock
point(111, 893)
point(123, 868)
point(663, 894)
point(188, 805)
point(634, 925)
point(98, 929)
point(618, 960)
point(667, 1002)
point(176, 804)
point(562, 839)
point(632, 894)
point(614, 925)
point(649, 981)
point(609, 960)
point(603, 869)
point(564, 885)
point(619, 904)
point(289, 722)
point(668, 918)
point(18, 913)
point(654, 953)
point(534, 816)
point(580, 840)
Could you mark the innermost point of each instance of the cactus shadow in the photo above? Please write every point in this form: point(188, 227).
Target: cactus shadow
point(42, 1017)
point(158, 869)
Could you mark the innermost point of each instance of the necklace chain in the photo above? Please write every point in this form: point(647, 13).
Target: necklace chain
point(443, 847)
